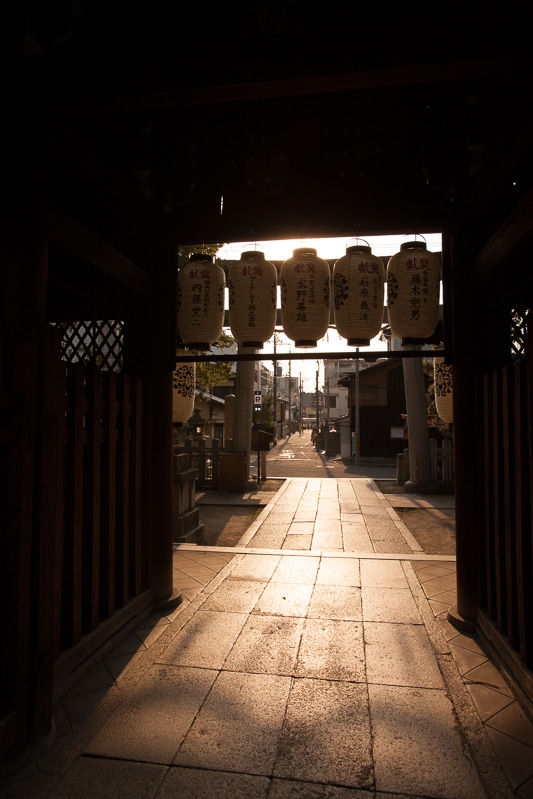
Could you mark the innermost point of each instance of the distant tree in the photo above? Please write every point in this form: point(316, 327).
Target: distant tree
point(187, 250)
point(209, 375)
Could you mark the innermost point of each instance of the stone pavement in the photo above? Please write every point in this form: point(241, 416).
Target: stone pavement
point(291, 673)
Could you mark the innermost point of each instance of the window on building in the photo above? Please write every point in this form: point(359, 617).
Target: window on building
point(332, 402)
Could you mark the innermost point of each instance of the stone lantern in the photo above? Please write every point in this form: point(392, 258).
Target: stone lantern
point(197, 422)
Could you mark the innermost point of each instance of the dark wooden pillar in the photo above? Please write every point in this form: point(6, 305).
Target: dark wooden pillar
point(463, 333)
point(162, 335)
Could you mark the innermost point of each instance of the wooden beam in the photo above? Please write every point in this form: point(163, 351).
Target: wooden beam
point(81, 242)
point(515, 233)
point(307, 85)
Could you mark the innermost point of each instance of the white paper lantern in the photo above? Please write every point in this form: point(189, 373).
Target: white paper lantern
point(358, 295)
point(305, 290)
point(442, 375)
point(201, 285)
point(252, 285)
point(413, 285)
point(183, 389)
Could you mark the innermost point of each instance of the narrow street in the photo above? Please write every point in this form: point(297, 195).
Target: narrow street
point(296, 456)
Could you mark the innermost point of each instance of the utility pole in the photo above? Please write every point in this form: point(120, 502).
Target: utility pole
point(316, 400)
point(328, 417)
point(290, 396)
point(357, 402)
point(275, 392)
point(301, 403)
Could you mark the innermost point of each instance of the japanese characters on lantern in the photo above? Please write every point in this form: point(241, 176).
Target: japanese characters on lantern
point(358, 294)
point(252, 285)
point(413, 285)
point(201, 285)
point(305, 296)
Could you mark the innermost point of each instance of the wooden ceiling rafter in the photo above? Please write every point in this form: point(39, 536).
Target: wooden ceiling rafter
point(393, 77)
point(77, 240)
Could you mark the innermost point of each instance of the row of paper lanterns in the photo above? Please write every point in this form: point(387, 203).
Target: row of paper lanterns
point(413, 278)
point(413, 286)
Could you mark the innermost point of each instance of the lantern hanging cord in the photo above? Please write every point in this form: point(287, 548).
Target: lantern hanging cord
point(406, 235)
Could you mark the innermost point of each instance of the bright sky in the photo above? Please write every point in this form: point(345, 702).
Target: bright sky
point(328, 249)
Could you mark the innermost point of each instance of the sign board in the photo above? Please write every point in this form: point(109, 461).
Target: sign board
point(397, 432)
point(257, 400)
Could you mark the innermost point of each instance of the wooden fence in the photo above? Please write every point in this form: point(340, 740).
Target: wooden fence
point(206, 460)
point(75, 522)
point(106, 560)
point(506, 510)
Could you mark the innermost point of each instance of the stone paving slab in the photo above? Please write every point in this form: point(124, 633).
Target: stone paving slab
point(95, 778)
point(155, 717)
point(393, 605)
point(383, 574)
point(297, 542)
point(284, 599)
point(326, 734)
point(296, 570)
point(417, 746)
point(196, 783)
point(335, 571)
point(343, 603)
point(325, 538)
point(332, 649)
point(238, 726)
point(255, 567)
point(267, 645)
point(400, 654)
point(206, 640)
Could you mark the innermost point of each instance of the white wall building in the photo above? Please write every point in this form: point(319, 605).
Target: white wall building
point(335, 396)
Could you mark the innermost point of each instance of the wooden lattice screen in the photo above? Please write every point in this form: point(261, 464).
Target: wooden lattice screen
point(93, 343)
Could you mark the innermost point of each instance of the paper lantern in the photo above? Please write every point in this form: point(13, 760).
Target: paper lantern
point(442, 375)
point(201, 285)
point(305, 286)
point(413, 284)
point(358, 295)
point(183, 386)
point(252, 286)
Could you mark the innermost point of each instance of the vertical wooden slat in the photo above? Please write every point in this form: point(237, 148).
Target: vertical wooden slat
point(146, 510)
point(499, 573)
point(47, 526)
point(16, 493)
point(122, 553)
point(91, 500)
point(109, 498)
point(72, 569)
point(135, 486)
point(508, 549)
point(520, 498)
point(527, 405)
point(488, 480)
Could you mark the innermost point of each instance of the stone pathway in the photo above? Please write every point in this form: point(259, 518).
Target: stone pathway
point(320, 672)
